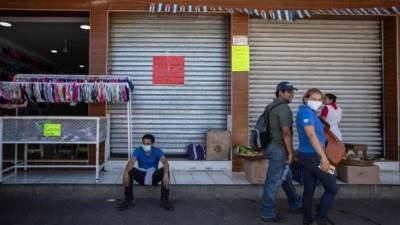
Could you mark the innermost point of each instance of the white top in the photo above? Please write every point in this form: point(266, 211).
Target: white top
point(333, 118)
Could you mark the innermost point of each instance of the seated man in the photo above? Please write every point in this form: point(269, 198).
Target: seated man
point(148, 173)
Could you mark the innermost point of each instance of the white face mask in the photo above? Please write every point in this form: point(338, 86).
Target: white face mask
point(146, 148)
point(314, 104)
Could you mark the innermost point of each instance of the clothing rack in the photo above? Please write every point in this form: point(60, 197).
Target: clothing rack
point(74, 77)
point(58, 82)
point(21, 80)
point(66, 92)
point(106, 89)
point(22, 77)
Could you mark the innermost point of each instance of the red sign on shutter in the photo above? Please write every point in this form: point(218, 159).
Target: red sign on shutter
point(168, 70)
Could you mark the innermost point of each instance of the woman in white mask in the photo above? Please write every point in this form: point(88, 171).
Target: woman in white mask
point(332, 114)
point(312, 157)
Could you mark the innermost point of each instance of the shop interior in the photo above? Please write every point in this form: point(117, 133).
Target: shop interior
point(44, 43)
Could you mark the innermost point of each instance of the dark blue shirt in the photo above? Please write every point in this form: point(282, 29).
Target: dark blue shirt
point(148, 161)
point(308, 117)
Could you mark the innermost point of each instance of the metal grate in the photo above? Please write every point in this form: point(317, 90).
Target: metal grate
point(343, 57)
point(31, 129)
point(175, 115)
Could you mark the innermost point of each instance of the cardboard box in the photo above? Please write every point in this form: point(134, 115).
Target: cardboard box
point(218, 145)
point(358, 174)
point(255, 170)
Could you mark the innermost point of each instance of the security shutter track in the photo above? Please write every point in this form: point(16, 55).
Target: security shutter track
point(342, 57)
point(175, 115)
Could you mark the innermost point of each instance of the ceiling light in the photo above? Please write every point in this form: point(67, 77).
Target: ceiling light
point(81, 66)
point(54, 51)
point(85, 27)
point(5, 24)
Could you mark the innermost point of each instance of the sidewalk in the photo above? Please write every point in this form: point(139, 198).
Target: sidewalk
point(177, 177)
point(185, 185)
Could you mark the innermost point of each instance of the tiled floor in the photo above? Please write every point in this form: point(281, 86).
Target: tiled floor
point(115, 177)
point(177, 177)
point(390, 178)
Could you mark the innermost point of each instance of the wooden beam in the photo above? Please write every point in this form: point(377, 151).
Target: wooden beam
point(47, 5)
point(98, 50)
point(98, 61)
point(398, 85)
point(239, 94)
point(390, 88)
point(390, 80)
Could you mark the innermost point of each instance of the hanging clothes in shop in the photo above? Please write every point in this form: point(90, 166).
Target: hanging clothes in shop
point(66, 92)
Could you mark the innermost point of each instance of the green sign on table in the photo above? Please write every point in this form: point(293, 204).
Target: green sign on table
point(52, 130)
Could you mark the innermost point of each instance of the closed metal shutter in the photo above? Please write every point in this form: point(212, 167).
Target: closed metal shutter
point(176, 115)
point(342, 57)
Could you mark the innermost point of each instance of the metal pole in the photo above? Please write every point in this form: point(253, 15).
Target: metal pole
point(97, 149)
point(130, 128)
point(25, 157)
point(1, 150)
point(128, 112)
point(16, 145)
point(107, 144)
point(16, 159)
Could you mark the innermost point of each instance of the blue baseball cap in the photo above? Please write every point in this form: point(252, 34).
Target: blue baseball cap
point(285, 86)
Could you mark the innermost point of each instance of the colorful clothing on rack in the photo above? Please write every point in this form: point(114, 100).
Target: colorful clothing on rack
point(66, 92)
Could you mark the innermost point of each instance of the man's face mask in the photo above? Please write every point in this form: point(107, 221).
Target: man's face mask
point(146, 148)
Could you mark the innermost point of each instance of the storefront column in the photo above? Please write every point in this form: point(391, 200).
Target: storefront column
point(239, 94)
point(390, 87)
point(98, 61)
point(397, 34)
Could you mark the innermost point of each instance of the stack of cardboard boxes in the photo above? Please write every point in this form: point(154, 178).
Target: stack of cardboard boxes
point(255, 170)
point(358, 174)
point(218, 145)
point(354, 171)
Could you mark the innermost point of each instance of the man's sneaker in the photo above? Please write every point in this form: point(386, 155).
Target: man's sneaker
point(296, 211)
point(276, 219)
point(167, 205)
point(126, 205)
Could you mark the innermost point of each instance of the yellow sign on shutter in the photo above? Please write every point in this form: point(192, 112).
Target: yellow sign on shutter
point(240, 58)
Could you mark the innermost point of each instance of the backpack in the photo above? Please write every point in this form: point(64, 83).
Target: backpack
point(196, 152)
point(259, 136)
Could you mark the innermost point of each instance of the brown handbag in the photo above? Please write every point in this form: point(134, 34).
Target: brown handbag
point(335, 150)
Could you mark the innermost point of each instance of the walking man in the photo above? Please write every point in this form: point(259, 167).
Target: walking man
point(280, 155)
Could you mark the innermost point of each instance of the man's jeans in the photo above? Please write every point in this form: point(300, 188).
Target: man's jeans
point(277, 158)
point(312, 173)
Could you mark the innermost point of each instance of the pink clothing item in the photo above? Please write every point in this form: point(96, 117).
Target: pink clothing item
point(67, 93)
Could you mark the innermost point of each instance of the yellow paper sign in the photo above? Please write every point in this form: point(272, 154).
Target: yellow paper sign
point(52, 130)
point(240, 58)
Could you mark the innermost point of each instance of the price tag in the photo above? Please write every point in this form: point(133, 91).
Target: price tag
point(52, 130)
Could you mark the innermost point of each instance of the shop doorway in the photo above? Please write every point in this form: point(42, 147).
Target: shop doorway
point(44, 43)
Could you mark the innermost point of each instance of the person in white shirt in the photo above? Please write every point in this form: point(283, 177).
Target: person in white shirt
point(332, 114)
